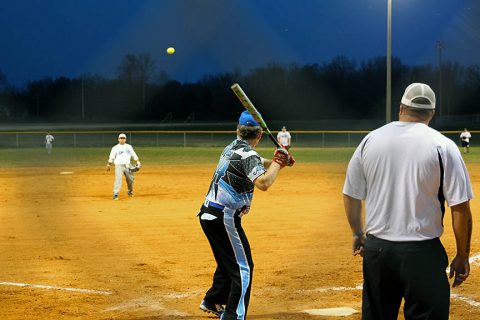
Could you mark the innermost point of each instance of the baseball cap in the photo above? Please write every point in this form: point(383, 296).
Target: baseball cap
point(419, 95)
point(122, 135)
point(246, 119)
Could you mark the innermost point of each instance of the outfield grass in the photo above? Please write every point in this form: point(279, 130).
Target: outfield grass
point(61, 157)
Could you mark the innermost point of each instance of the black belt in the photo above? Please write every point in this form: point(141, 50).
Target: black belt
point(216, 209)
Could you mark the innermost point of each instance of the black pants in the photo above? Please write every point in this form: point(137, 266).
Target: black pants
point(413, 270)
point(233, 277)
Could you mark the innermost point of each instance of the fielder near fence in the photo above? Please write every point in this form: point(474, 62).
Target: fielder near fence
point(79, 139)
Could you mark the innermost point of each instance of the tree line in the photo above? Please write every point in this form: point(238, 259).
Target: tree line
point(339, 89)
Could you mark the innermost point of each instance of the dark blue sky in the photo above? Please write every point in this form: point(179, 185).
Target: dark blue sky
point(41, 38)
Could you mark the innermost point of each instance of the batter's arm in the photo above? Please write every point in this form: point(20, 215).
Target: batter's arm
point(353, 210)
point(462, 228)
point(266, 163)
point(264, 181)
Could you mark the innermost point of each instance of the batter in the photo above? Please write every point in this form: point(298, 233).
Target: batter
point(239, 170)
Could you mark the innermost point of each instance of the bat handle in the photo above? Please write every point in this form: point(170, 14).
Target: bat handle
point(275, 142)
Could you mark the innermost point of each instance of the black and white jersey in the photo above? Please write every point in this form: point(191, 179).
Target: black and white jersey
point(232, 183)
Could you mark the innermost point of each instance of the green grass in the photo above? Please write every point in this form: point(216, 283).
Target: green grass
point(31, 157)
point(63, 157)
point(473, 156)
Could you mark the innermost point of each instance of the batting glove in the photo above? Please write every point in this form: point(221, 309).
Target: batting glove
point(281, 157)
point(291, 160)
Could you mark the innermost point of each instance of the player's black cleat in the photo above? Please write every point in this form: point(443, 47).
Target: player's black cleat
point(216, 309)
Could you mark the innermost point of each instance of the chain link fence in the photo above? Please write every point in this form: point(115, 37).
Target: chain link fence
point(80, 139)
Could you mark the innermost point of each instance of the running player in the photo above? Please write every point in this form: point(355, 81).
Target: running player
point(465, 137)
point(49, 142)
point(239, 170)
point(284, 138)
point(121, 155)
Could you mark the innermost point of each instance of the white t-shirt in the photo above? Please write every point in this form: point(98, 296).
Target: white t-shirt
point(398, 170)
point(49, 139)
point(465, 136)
point(284, 138)
point(122, 153)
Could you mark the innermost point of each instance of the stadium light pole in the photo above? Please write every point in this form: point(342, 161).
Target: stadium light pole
point(83, 97)
point(388, 112)
point(440, 47)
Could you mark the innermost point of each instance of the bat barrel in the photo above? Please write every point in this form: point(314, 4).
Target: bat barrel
point(242, 96)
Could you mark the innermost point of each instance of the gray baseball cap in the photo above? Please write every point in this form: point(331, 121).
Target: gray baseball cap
point(419, 95)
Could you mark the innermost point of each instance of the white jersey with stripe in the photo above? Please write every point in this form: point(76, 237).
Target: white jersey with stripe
point(465, 136)
point(405, 171)
point(122, 153)
point(284, 138)
point(232, 183)
point(49, 139)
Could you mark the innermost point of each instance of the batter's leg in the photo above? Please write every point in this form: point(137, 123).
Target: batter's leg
point(215, 232)
point(232, 279)
point(239, 268)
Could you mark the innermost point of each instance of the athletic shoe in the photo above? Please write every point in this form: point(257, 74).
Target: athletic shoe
point(216, 309)
point(130, 194)
point(115, 197)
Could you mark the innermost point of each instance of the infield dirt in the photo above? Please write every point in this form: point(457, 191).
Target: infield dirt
point(149, 251)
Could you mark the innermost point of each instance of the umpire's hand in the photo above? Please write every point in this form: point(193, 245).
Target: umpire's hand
point(460, 268)
point(358, 244)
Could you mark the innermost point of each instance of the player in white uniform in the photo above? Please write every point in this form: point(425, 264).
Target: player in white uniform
point(465, 137)
point(284, 138)
point(49, 142)
point(121, 155)
point(405, 171)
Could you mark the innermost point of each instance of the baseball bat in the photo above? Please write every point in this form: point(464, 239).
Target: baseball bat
point(241, 95)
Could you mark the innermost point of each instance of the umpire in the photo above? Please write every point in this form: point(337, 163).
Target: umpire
point(239, 170)
point(405, 171)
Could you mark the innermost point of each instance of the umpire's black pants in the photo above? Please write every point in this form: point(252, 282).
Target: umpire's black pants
point(233, 277)
point(413, 270)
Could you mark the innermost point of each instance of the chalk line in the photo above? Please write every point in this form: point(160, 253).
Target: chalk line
point(465, 299)
point(455, 296)
point(39, 286)
point(474, 259)
point(357, 287)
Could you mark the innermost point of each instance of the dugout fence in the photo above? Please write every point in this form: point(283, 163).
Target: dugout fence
point(84, 139)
